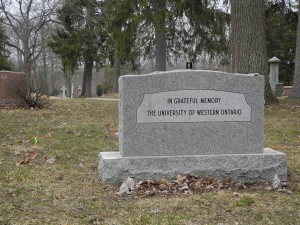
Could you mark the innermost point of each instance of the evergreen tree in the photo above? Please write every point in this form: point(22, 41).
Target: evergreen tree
point(65, 44)
point(281, 26)
point(4, 63)
point(122, 22)
point(81, 38)
point(208, 28)
point(184, 27)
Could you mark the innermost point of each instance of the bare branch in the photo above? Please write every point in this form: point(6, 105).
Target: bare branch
point(26, 21)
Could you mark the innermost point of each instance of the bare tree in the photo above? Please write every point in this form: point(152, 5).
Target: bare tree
point(26, 18)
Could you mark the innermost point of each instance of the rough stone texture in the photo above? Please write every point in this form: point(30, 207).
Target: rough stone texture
point(203, 138)
point(113, 168)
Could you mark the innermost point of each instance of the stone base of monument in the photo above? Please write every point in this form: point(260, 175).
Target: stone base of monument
point(256, 168)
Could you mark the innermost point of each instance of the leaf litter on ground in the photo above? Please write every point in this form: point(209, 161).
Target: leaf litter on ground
point(190, 184)
point(31, 154)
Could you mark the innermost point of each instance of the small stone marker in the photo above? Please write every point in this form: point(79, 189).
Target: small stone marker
point(189, 65)
point(287, 90)
point(274, 72)
point(64, 92)
point(204, 123)
point(278, 90)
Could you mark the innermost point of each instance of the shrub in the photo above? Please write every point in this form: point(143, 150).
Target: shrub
point(102, 89)
point(31, 90)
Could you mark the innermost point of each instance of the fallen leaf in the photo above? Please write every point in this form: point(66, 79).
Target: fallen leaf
point(49, 135)
point(277, 147)
point(163, 187)
point(180, 179)
point(184, 187)
point(226, 180)
point(26, 142)
point(50, 160)
point(240, 186)
point(268, 188)
point(283, 190)
point(188, 192)
point(198, 185)
point(209, 187)
point(24, 161)
point(235, 194)
point(31, 155)
point(154, 210)
point(60, 177)
point(17, 153)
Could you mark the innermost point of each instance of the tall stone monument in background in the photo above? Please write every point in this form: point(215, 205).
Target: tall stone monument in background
point(204, 123)
point(276, 87)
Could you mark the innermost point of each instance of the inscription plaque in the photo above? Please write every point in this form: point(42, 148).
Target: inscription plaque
point(187, 106)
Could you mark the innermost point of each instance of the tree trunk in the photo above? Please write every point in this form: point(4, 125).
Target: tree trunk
point(69, 81)
point(248, 41)
point(87, 79)
point(89, 52)
point(44, 60)
point(83, 84)
point(159, 11)
point(296, 83)
point(117, 71)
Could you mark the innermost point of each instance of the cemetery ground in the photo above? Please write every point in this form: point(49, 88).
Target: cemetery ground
point(48, 172)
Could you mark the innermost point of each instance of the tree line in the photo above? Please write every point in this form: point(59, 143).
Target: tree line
point(122, 33)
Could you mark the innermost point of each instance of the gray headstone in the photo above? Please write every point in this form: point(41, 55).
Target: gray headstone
point(279, 90)
point(274, 72)
point(191, 112)
point(204, 123)
point(64, 92)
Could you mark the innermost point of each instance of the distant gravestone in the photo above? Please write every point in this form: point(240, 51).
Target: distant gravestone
point(189, 65)
point(79, 89)
point(9, 83)
point(64, 92)
point(204, 123)
point(279, 89)
point(287, 90)
point(274, 72)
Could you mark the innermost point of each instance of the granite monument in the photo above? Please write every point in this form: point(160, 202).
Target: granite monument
point(204, 123)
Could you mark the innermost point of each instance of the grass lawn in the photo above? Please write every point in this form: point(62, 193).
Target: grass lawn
point(48, 172)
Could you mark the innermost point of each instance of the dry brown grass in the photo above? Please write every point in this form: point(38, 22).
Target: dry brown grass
point(59, 184)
